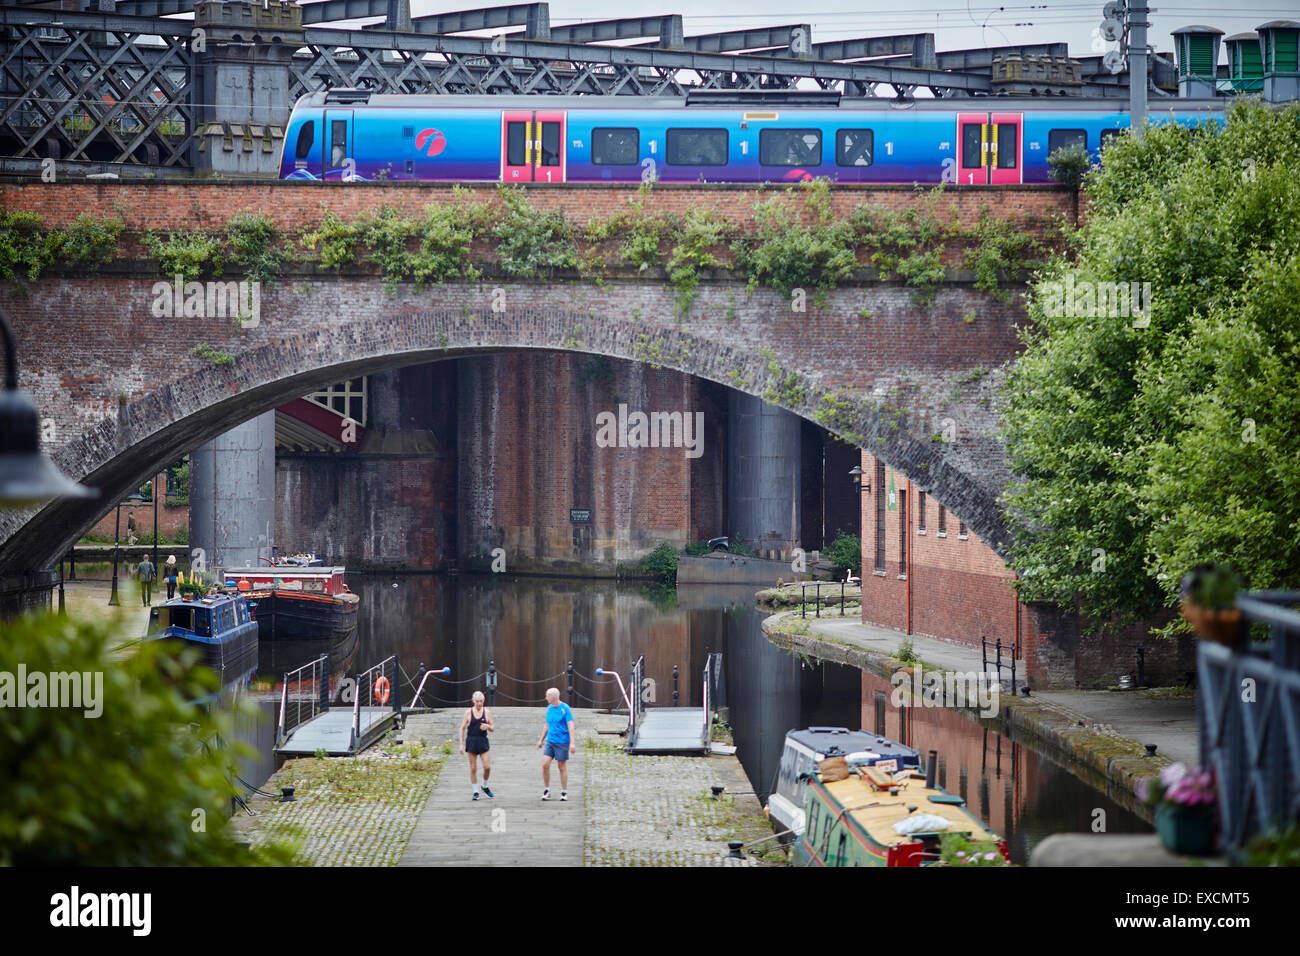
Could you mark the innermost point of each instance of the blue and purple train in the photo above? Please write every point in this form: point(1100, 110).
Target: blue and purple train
point(352, 134)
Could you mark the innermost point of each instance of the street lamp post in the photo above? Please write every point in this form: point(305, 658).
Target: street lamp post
point(117, 527)
point(155, 520)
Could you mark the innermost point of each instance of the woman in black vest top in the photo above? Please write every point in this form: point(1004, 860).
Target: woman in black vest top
point(474, 741)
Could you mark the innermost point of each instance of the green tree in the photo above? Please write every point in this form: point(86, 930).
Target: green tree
point(133, 777)
point(1148, 441)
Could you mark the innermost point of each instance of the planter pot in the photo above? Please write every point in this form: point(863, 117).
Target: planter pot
point(1226, 627)
point(1185, 830)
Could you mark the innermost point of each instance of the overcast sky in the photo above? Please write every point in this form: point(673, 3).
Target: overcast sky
point(956, 24)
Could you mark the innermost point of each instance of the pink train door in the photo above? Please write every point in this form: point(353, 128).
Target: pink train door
point(532, 146)
point(989, 148)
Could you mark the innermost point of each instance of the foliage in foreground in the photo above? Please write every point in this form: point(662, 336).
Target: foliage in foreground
point(1148, 444)
point(139, 785)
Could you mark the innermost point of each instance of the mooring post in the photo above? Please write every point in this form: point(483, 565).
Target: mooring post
point(569, 670)
point(675, 694)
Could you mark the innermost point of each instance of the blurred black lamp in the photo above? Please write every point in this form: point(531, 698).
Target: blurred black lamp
point(856, 474)
point(26, 476)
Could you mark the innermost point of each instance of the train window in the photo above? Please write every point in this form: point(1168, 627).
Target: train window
point(971, 154)
point(615, 147)
point(1062, 138)
point(550, 144)
point(338, 143)
point(854, 147)
point(516, 135)
point(1008, 145)
point(697, 147)
point(790, 147)
point(306, 136)
point(1107, 135)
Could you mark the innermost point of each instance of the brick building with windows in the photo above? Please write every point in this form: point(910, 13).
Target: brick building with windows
point(925, 573)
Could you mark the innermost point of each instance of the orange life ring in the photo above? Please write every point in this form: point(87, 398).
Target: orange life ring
point(382, 690)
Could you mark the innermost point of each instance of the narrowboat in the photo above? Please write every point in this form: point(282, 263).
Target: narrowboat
point(863, 816)
point(804, 749)
point(220, 626)
point(293, 601)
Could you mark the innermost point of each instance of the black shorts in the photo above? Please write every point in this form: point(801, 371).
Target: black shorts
point(476, 745)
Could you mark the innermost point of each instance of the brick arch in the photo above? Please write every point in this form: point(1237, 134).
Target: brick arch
point(301, 344)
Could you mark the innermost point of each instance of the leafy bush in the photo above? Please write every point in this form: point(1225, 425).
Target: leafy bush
point(661, 563)
point(845, 552)
point(24, 249)
point(1067, 164)
point(254, 240)
point(696, 548)
point(187, 254)
point(531, 243)
point(130, 786)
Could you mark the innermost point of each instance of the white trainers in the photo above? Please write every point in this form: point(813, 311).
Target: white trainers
point(564, 795)
point(546, 794)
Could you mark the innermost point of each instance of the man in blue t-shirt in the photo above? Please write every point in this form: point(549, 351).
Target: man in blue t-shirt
point(558, 738)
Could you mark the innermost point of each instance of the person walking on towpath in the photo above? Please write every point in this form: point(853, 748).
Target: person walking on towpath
point(146, 572)
point(169, 572)
point(559, 741)
point(474, 741)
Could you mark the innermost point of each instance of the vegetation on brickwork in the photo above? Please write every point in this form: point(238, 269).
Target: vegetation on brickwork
point(254, 241)
point(1145, 445)
point(661, 563)
point(797, 243)
point(142, 782)
point(26, 249)
point(215, 356)
point(598, 368)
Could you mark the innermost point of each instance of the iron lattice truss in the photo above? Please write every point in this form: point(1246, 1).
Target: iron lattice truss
point(126, 86)
point(121, 95)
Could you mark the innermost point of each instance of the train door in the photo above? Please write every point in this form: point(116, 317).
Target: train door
point(338, 145)
point(988, 148)
point(532, 146)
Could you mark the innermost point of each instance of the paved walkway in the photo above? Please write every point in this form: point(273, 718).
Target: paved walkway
point(516, 828)
point(1146, 717)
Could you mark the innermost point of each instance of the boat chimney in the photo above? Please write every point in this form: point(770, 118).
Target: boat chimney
point(931, 769)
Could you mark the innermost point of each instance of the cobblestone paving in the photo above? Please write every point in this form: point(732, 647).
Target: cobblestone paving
point(349, 811)
point(658, 810)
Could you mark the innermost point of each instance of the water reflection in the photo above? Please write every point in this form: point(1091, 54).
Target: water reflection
point(532, 628)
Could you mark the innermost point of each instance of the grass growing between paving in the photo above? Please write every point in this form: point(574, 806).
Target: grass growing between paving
point(348, 811)
point(658, 811)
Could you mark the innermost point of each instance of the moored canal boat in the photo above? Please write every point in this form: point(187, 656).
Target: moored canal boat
point(804, 749)
point(220, 626)
point(863, 816)
point(297, 602)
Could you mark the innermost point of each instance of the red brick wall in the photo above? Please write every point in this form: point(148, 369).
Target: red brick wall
point(172, 518)
point(960, 590)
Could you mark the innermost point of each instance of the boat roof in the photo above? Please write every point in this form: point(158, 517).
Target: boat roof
point(208, 600)
point(876, 811)
point(285, 571)
point(832, 741)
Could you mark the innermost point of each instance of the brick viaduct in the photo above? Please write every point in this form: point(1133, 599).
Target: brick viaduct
point(123, 392)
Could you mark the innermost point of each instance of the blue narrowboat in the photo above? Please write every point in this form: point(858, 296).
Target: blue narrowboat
point(220, 626)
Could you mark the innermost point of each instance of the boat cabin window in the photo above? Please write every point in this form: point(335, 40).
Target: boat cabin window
point(841, 851)
point(188, 618)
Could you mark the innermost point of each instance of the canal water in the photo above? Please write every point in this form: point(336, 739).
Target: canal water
point(532, 629)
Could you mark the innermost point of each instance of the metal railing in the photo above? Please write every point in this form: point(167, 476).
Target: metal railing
point(817, 597)
point(296, 706)
point(636, 678)
point(997, 662)
point(378, 686)
point(1248, 715)
point(711, 678)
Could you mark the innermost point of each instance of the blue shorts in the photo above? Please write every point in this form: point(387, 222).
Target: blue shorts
point(560, 751)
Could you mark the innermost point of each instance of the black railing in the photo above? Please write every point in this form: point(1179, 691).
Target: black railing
point(997, 661)
point(1248, 715)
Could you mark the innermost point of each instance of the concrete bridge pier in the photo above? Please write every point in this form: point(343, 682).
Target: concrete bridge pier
point(232, 495)
point(763, 470)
